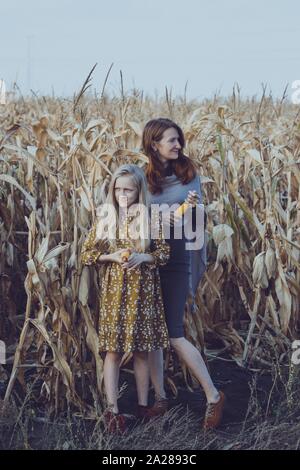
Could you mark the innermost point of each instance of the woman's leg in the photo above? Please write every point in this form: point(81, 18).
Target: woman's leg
point(141, 372)
point(193, 360)
point(156, 365)
point(111, 379)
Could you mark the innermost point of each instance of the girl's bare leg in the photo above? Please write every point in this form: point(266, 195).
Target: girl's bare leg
point(193, 360)
point(141, 372)
point(111, 379)
point(156, 365)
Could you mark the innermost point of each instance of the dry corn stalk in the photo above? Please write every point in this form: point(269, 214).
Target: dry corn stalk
point(56, 162)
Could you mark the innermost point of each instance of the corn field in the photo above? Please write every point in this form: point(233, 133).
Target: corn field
point(56, 160)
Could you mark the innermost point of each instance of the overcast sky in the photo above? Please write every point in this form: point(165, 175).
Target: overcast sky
point(156, 43)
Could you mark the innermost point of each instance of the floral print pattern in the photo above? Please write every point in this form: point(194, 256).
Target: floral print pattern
point(131, 306)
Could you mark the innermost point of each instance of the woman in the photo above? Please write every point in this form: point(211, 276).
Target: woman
point(172, 178)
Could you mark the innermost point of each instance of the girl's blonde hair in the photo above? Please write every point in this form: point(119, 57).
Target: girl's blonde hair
point(110, 210)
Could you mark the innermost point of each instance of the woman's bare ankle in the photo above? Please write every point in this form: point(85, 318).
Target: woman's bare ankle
point(160, 397)
point(113, 408)
point(214, 398)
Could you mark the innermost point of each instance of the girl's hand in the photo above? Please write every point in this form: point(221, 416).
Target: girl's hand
point(116, 257)
point(134, 260)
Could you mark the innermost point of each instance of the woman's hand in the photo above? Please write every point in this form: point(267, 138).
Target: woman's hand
point(134, 260)
point(192, 198)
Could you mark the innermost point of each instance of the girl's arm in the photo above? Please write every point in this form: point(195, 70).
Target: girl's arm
point(93, 252)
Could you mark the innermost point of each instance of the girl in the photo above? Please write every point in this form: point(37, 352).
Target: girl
point(131, 307)
point(172, 178)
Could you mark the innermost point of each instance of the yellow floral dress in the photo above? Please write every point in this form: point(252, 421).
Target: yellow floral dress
point(131, 307)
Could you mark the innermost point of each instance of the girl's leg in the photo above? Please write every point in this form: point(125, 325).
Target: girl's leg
point(193, 360)
point(141, 372)
point(111, 379)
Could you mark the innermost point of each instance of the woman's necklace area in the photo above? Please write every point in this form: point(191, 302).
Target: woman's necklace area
point(168, 170)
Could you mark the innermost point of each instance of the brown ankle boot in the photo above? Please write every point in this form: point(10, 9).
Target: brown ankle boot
point(115, 422)
point(214, 413)
point(160, 407)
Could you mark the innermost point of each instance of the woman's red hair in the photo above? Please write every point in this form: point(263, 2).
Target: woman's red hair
point(183, 167)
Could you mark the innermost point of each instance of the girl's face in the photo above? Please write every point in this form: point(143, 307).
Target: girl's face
point(168, 146)
point(126, 192)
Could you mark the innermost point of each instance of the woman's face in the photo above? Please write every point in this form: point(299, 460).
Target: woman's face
point(168, 146)
point(126, 192)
